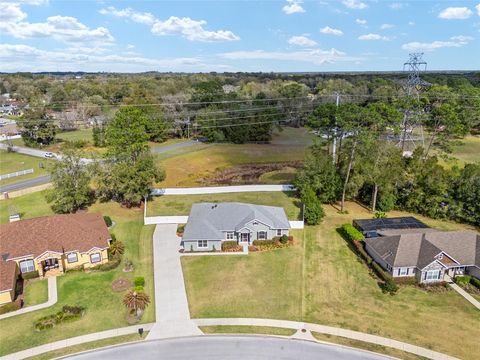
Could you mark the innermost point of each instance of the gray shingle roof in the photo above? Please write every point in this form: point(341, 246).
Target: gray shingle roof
point(420, 249)
point(207, 220)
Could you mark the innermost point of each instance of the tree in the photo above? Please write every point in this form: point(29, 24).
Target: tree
point(126, 134)
point(117, 248)
point(155, 126)
point(136, 300)
point(313, 207)
point(71, 184)
point(466, 194)
point(98, 135)
point(36, 128)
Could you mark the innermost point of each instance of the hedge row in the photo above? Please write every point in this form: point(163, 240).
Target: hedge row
point(231, 246)
point(475, 282)
point(13, 306)
point(68, 313)
point(351, 233)
point(112, 264)
point(30, 275)
point(462, 280)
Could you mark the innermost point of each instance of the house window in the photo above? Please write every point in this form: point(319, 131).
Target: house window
point(403, 271)
point(262, 235)
point(432, 275)
point(27, 266)
point(94, 258)
point(202, 243)
point(279, 232)
point(72, 257)
point(389, 268)
point(230, 235)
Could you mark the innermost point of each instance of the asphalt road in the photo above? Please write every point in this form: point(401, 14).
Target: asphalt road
point(25, 183)
point(228, 348)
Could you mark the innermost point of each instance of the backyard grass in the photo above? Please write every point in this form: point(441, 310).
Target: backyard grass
point(28, 206)
point(35, 292)
point(188, 166)
point(12, 162)
point(322, 281)
point(89, 346)
point(367, 346)
point(241, 329)
point(181, 204)
point(92, 290)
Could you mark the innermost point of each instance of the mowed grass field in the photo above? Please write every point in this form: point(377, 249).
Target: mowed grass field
point(12, 162)
point(92, 290)
point(320, 280)
point(187, 166)
point(181, 204)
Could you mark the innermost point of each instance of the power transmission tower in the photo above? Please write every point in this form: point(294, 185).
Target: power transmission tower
point(412, 129)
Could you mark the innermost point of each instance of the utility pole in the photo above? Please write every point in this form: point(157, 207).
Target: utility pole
point(334, 149)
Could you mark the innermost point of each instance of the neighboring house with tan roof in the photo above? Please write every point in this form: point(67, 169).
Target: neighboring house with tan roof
point(426, 254)
point(51, 244)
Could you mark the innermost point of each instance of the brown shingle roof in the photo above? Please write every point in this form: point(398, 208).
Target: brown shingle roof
point(7, 275)
point(59, 233)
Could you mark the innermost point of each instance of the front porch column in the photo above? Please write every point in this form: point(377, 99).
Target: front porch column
point(40, 269)
point(60, 264)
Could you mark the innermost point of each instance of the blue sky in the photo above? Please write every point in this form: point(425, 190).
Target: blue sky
point(199, 36)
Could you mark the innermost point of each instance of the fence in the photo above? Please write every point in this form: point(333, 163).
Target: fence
point(17, 173)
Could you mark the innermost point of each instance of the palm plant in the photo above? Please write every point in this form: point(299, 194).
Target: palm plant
point(136, 300)
point(117, 248)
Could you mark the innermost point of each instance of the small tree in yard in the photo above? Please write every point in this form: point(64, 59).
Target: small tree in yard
point(136, 300)
point(313, 207)
point(117, 248)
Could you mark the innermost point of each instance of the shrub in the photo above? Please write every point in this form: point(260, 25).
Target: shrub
point(231, 246)
point(30, 275)
point(313, 207)
point(361, 251)
point(108, 221)
point(390, 287)
point(262, 245)
point(351, 233)
point(379, 215)
point(113, 237)
point(78, 268)
point(284, 239)
point(138, 288)
point(409, 280)
point(68, 313)
point(475, 282)
point(180, 229)
point(139, 281)
point(13, 306)
point(462, 280)
point(112, 264)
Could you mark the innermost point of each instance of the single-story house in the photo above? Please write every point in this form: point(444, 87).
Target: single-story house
point(427, 254)
point(50, 245)
point(371, 227)
point(210, 224)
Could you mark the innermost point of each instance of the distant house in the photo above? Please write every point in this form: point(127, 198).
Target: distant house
point(427, 254)
point(50, 245)
point(210, 224)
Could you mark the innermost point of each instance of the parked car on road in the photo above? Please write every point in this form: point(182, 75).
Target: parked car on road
point(49, 155)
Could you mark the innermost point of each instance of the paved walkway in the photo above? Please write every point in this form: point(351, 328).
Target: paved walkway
point(463, 293)
point(221, 189)
point(52, 300)
point(76, 341)
point(171, 305)
point(350, 334)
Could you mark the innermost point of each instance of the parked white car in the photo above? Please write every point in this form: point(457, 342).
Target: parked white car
point(49, 155)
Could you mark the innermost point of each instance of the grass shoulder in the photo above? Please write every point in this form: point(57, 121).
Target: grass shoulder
point(243, 329)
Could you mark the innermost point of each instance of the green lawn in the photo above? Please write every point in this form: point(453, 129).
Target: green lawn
point(187, 166)
point(322, 281)
point(241, 329)
point(92, 290)
point(28, 206)
point(11, 162)
point(181, 204)
point(35, 292)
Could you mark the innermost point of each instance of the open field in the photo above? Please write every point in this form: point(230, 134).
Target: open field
point(181, 204)
point(35, 292)
point(468, 151)
point(322, 281)
point(11, 162)
point(92, 290)
point(188, 166)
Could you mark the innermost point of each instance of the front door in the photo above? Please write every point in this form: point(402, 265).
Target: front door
point(244, 237)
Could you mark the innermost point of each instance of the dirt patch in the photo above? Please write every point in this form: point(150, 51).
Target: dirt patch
point(246, 174)
point(121, 284)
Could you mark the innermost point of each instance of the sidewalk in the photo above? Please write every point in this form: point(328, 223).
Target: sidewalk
point(350, 334)
point(463, 293)
point(52, 300)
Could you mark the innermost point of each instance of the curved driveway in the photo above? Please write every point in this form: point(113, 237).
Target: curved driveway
point(228, 347)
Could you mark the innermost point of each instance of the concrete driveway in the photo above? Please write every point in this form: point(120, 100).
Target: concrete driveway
point(171, 304)
point(230, 348)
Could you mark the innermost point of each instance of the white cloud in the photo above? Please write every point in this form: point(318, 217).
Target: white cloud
point(373, 37)
point(139, 17)
point(411, 23)
point(314, 56)
point(11, 12)
point(454, 41)
point(478, 9)
point(130, 46)
point(355, 4)
point(293, 7)
point(191, 29)
point(386, 26)
point(301, 41)
point(455, 13)
point(397, 6)
point(27, 2)
point(61, 28)
point(361, 21)
point(331, 31)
